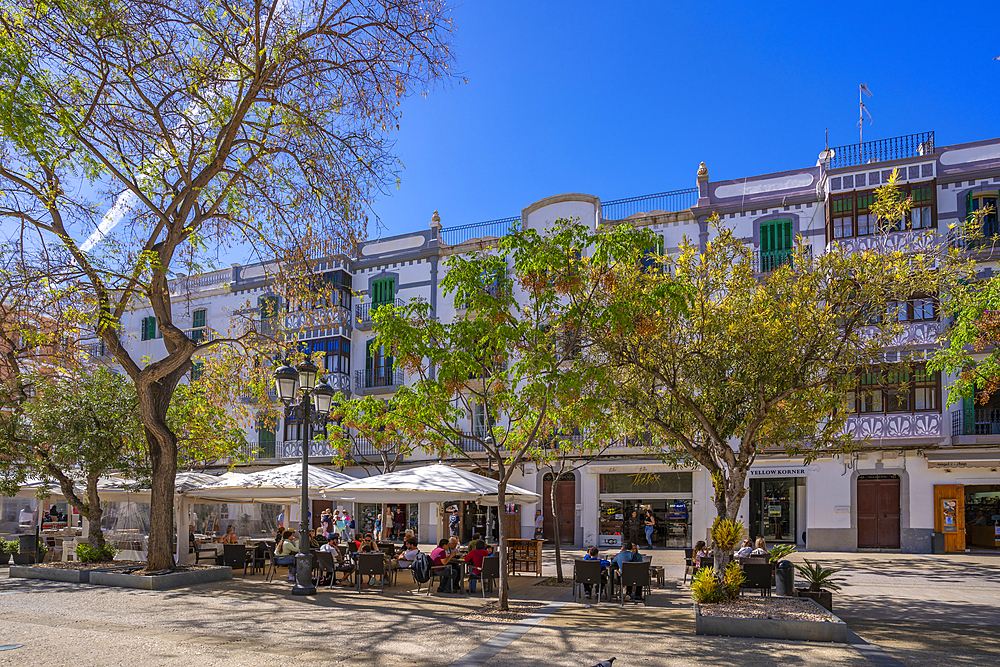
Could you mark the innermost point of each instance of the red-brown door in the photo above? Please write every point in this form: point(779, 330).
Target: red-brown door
point(878, 512)
point(565, 510)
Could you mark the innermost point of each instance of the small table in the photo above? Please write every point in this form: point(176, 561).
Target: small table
point(657, 571)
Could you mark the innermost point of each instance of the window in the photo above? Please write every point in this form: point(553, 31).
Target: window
point(923, 308)
point(265, 441)
point(338, 353)
point(975, 201)
point(383, 291)
point(481, 421)
point(775, 244)
point(149, 329)
point(653, 255)
point(378, 366)
point(197, 370)
point(198, 332)
point(850, 214)
point(267, 306)
point(897, 390)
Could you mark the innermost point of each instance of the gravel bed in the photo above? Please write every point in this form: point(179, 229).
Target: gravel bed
point(551, 581)
point(515, 612)
point(78, 565)
point(784, 609)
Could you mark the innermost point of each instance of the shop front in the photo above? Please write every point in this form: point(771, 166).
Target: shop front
point(396, 518)
point(628, 499)
point(476, 519)
point(774, 495)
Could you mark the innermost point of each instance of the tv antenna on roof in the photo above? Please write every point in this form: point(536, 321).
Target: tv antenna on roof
point(862, 110)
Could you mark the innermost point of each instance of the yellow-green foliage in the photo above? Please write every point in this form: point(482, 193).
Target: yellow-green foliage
point(705, 588)
point(727, 533)
point(732, 580)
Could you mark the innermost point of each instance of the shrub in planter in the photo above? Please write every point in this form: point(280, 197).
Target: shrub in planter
point(707, 589)
point(779, 551)
point(88, 554)
point(7, 549)
point(822, 583)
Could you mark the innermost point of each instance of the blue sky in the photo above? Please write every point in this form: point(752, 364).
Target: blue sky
point(619, 99)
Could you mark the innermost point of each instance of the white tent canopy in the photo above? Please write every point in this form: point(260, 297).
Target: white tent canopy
point(429, 484)
point(275, 485)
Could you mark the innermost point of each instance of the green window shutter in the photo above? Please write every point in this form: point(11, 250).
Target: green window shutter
point(198, 319)
point(197, 370)
point(775, 244)
point(383, 291)
point(142, 329)
point(968, 416)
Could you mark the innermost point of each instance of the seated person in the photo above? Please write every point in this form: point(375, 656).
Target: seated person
point(476, 556)
point(442, 559)
point(744, 550)
point(760, 548)
point(627, 555)
point(409, 554)
point(594, 554)
point(701, 550)
point(313, 542)
point(284, 553)
point(342, 563)
point(230, 537)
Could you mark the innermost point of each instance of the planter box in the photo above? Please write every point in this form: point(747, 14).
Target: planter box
point(767, 628)
point(24, 559)
point(822, 598)
point(162, 581)
point(52, 574)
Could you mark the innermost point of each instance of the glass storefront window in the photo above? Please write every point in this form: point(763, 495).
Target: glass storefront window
point(772, 508)
point(624, 520)
point(647, 482)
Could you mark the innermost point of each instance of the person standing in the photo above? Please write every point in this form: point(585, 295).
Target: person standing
point(378, 526)
point(650, 523)
point(634, 523)
point(453, 523)
point(539, 525)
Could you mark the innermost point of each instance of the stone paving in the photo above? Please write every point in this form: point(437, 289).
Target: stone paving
point(912, 610)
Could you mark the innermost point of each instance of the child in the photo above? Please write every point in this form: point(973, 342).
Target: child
point(594, 554)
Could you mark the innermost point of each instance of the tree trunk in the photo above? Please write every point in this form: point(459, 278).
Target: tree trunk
point(154, 399)
point(727, 506)
point(555, 527)
point(501, 504)
point(94, 512)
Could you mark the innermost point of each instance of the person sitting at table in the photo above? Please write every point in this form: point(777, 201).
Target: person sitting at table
point(408, 533)
point(627, 555)
point(343, 563)
point(594, 554)
point(760, 548)
point(744, 550)
point(230, 537)
point(284, 552)
point(701, 550)
point(475, 557)
point(313, 542)
point(441, 558)
point(408, 555)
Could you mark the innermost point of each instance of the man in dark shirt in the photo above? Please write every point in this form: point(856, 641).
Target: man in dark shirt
point(626, 555)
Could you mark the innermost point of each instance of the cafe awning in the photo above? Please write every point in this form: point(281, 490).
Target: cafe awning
point(432, 483)
point(275, 485)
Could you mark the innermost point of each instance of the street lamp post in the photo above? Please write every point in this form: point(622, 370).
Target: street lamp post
point(288, 381)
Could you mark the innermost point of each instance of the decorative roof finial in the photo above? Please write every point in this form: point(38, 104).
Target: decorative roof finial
point(435, 220)
point(702, 170)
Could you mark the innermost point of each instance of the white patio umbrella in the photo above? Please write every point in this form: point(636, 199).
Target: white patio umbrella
point(276, 485)
point(429, 484)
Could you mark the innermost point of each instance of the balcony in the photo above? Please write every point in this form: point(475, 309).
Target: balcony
point(254, 450)
point(368, 381)
point(980, 426)
point(364, 313)
point(95, 350)
point(883, 150)
point(913, 428)
point(767, 261)
point(638, 207)
point(292, 449)
point(364, 449)
point(909, 242)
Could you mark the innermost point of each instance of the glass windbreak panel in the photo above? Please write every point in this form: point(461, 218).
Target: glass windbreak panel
point(17, 515)
point(772, 508)
point(645, 482)
point(249, 520)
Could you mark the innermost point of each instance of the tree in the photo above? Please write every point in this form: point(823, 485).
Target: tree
point(748, 361)
point(365, 431)
point(200, 125)
point(507, 363)
point(75, 428)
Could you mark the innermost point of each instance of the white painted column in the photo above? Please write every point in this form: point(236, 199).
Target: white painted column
point(591, 506)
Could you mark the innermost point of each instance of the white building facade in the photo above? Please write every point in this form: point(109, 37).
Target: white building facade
point(893, 495)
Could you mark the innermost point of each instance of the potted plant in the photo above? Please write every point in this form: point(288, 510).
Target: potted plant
point(776, 557)
point(821, 581)
point(20, 558)
point(7, 549)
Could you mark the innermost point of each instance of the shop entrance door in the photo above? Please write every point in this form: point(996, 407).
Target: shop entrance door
point(772, 508)
point(878, 512)
point(565, 508)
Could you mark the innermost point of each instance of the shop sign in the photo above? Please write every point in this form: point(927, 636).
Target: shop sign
point(779, 472)
point(774, 510)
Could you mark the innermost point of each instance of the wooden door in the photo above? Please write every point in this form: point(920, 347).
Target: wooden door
point(565, 510)
point(317, 510)
point(949, 501)
point(878, 512)
point(512, 522)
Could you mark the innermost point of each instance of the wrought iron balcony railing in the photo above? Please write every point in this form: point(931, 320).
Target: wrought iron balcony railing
point(883, 150)
point(364, 313)
point(673, 201)
point(374, 379)
point(478, 230)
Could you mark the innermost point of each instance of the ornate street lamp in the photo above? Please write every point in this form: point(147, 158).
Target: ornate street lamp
point(288, 382)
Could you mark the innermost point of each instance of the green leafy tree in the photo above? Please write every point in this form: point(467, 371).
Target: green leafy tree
point(194, 126)
point(75, 428)
point(366, 431)
point(745, 361)
point(508, 363)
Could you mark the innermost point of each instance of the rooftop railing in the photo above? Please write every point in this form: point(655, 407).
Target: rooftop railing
point(478, 230)
point(673, 201)
point(883, 150)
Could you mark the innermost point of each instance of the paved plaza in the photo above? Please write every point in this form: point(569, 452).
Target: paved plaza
point(905, 610)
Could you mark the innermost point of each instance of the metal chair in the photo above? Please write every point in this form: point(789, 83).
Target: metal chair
point(586, 572)
point(706, 561)
point(235, 556)
point(758, 575)
point(490, 572)
point(442, 572)
point(325, 564)
point(689, 568)
point(201, 554)
point(634, 574)
point(370, 565)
